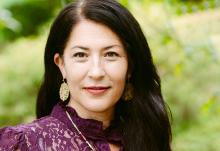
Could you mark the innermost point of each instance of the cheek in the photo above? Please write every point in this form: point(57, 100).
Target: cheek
point(75, 72)
point(117, 71)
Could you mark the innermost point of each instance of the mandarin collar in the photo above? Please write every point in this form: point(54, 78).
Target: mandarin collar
point(90, 128)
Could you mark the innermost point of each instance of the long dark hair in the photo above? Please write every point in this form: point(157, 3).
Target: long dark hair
point(145, 119)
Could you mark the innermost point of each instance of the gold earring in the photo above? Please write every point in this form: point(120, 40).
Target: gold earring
point(128, 92)
point(64, 91)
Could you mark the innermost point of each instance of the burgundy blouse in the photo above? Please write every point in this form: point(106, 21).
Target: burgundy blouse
point(56, 133)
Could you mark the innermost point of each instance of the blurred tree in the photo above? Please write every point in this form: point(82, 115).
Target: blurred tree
point(24, 18)
point(31, 15)
point(191, 0)
point(7, 24)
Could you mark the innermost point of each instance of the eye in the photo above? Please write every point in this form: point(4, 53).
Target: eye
point(111, 54)
point(80, 55)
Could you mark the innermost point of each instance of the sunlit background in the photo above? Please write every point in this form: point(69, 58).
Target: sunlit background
point(184, 36)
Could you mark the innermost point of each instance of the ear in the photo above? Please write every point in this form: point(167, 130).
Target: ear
point(58, 60)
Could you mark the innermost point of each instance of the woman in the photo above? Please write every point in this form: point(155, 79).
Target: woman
point(100, 91)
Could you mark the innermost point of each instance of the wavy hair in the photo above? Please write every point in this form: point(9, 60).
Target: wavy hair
point(144, 119)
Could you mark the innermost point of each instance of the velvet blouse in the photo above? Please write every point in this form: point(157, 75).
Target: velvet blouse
point(56, 133)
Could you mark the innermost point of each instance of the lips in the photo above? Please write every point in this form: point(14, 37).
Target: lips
point(96, 90)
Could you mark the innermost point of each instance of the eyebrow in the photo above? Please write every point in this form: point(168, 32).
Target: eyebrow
point(105, 48)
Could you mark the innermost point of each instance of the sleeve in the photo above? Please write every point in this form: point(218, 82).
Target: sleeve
point(11, 139)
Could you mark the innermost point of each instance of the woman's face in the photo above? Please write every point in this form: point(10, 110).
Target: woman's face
point(95, 66)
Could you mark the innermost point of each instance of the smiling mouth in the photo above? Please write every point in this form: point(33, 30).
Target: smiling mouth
point(96, 90)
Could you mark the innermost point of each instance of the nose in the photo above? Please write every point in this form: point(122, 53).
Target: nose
point(96, 70)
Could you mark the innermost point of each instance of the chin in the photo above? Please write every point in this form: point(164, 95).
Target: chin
point(97, 107)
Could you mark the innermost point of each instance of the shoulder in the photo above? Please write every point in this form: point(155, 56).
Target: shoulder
point(9, 138)
point(25, 135)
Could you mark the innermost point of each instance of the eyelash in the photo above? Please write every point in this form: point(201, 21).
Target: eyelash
point(80, 55)
point(108, 54)
point(112, 54)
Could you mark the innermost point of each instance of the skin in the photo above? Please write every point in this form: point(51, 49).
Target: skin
point(94, 56)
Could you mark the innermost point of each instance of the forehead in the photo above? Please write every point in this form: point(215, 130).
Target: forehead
point(89, 32)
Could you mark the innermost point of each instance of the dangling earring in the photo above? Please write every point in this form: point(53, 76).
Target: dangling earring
point(128, 92)
point(64, 91)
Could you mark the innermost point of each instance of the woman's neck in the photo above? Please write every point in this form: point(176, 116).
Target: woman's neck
point(105, 116)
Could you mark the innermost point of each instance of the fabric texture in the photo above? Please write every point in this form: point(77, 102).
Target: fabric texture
point(56, 133)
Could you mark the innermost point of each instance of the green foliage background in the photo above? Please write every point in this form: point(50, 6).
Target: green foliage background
point(184, 38)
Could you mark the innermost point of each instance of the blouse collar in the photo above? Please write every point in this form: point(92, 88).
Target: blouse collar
point(90, 128)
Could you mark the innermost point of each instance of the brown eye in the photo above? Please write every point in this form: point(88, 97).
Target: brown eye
point(80, 55)
point(111, 54)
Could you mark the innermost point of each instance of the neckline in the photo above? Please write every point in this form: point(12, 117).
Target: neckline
point(90, 128)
